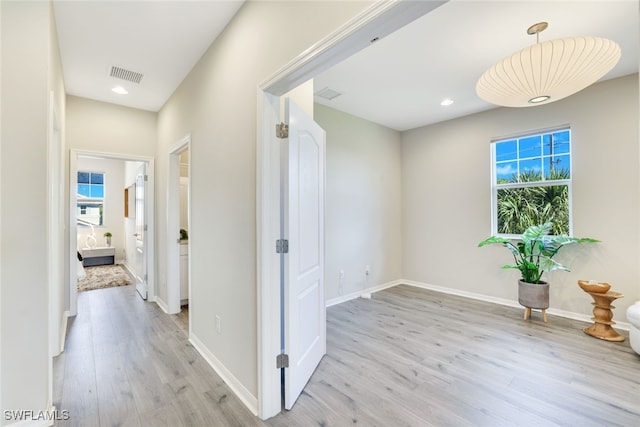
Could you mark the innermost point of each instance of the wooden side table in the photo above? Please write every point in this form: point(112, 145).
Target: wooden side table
point(602, 316)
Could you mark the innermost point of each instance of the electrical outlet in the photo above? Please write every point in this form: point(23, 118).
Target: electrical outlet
point(341, 274)
point(218, 323)
point(340, 282)
point(367, 270)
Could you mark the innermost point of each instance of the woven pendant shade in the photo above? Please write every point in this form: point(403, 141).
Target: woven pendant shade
point(548, 71)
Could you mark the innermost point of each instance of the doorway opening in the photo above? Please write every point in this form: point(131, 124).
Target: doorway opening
point(375, 22)
point(111, 219)
point(178, 227)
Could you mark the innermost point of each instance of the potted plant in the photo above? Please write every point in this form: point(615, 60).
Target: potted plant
point(533, 255)
point(107, 238)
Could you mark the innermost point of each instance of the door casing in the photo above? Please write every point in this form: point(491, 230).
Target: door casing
point(173, 224)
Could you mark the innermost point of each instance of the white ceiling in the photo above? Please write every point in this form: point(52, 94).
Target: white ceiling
point(400, 80)
point(161, 39)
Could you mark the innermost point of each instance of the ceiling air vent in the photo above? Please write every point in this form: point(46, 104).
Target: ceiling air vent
point(124, 74)
point(327, 93)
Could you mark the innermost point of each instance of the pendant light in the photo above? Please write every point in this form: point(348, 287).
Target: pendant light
point(548, 71)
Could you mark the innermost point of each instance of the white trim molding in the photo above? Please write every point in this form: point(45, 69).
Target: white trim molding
point(502, 301)
point(366, 293)
point(63, 329)
point(268, 261)
point(245, 396)
point(363, 293)
point(381, 19)
point(162, 304)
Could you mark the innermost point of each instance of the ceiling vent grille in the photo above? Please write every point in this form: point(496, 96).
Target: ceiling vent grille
point(328, 93)
point(124, 74)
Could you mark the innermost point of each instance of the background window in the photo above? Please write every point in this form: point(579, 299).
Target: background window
point(532, 182)
point(90, 198)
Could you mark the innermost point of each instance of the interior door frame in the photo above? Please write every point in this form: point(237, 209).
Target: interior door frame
point(173, 224)
point(377, 21)
point(55, 239)
point(149, 210)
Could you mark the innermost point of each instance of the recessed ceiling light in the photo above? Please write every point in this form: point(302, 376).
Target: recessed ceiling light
point(446, 102)
point(120, 90)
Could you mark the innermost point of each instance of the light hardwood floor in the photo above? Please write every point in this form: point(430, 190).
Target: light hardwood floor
point(407, 357)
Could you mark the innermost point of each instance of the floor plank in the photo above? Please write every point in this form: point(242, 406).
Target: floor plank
point(406, 357)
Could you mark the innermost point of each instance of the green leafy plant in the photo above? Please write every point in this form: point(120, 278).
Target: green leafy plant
point(108, 234)
point(519, 207)
point(534, 252)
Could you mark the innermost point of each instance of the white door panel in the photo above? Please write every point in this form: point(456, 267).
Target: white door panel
point(140, 234)
point(303, 210)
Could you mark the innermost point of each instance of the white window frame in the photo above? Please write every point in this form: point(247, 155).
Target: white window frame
point(495, 186)
point(94, 200)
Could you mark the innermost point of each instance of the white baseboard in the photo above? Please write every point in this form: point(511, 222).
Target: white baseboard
point(129, 270)
point(451, 291)
point(585, 318)
point(245, 396)
point(163, 305)
point(361, 293)
point(366, 293)
point(63, 329)
point(510, 303)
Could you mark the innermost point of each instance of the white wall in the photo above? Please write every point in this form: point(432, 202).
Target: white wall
point(447, 198)
point(363, 203)
point(113, 213)
point(109, 128)
point(30, 70)
point(217, 105)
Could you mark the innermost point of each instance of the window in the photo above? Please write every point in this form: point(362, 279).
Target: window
point(90, 198)
point(532, 182)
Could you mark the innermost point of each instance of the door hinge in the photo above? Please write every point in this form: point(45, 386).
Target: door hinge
point(145, 278)
point(282, 246)
point(145, 227)
point(282, 361)
point(282, 131)
point(146, 177)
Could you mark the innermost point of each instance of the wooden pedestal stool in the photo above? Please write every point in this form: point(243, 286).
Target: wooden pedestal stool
point(602, 312)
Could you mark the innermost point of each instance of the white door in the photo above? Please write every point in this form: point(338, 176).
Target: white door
point(303, 226)
point(140, 259)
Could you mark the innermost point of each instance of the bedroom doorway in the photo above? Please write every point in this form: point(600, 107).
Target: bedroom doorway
point(105, 194)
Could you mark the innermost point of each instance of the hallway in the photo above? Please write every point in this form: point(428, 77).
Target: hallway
point(126, 363)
